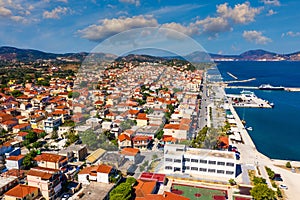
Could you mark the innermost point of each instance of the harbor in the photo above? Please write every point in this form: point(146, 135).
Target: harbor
point(248, 99)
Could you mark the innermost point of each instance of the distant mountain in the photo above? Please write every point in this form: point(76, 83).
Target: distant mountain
point(28, 55)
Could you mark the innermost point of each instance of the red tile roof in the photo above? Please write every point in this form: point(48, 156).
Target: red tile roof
point(15, 158)
point(49, 157)
point(106, 169)
point(42, 175)
point(21, 191)
point(123, 137)
point(130, 151)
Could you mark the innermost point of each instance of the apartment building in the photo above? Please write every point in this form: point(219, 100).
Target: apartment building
point(215, 163)
point(49, 181)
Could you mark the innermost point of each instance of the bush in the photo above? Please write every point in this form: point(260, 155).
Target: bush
point(288, 165)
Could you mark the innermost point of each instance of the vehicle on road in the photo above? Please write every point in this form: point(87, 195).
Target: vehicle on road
point(283, 187)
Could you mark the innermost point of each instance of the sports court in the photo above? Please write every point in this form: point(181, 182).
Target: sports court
point(199, 193)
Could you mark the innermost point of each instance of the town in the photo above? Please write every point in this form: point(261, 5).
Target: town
point(125, 130)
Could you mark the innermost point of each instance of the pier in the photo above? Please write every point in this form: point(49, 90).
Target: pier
point(233, 76)
point(240, 81)
point(288, 89)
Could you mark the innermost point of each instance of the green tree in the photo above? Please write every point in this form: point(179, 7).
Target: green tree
point(262, 191)
point(288, 165)
point(16, 93)
point(28, 160)
point(131, 180)
point(54, 135)
point(73, 95)
point(270, 172)
point(259, 180)
point(159, 134)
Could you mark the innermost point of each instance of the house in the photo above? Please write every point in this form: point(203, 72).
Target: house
point(103, 173)
point(94, 122)
point(124, 141)
point(51, 124)
point(87, 174)
point(8, 125)
point(141, 142)
point(142, 119)
point(99, 173)
point(23, 192)
point(36, 120)
point(144, 188)
point(52, 161)
point(5, 117)
point(131, 154)
point(49, 181)
point(21, 127)
point(14, 162)
point(7, 182)
point(78, 152)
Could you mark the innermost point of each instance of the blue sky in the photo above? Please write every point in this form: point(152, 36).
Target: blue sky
point(226, 27)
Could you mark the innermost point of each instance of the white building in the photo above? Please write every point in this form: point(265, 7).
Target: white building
point(215, 163)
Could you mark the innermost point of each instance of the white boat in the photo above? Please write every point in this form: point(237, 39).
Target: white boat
point(270, 87)
point(250, 128)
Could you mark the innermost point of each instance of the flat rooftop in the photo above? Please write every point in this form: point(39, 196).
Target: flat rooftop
point(6, 180)
point(96, 190)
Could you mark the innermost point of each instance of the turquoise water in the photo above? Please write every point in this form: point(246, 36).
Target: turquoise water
point(276, 132)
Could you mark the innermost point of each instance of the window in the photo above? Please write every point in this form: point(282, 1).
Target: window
point(168, 167)
point(230, 164)
point(194, 168)
point(202, 169)
point(194, 160)
point(221, 163)
point(203, 161)
point(187, 159)
point(177, 160)
point(187, 167)
point(169, 160)
point(212, 162)
point(211, 170)
point(229, 172)
point(220, 171)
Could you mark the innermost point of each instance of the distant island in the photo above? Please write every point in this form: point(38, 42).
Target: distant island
point(12, 54)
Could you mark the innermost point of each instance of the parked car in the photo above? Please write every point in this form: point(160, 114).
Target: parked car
point(283, 187)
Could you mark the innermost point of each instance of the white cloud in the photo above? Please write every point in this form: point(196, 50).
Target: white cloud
point(271, 2)
point(271, 12)
point(213, 25)
point(188, 30)
point(55, 13)
point(240, 14)
point(136, 2)
point(256, 36)
point(109, 27)
point(5, 12)
point(291, 34)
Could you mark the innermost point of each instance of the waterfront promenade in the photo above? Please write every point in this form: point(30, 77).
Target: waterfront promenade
point(250, 156)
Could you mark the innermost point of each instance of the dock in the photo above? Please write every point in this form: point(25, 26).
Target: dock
point(233, 76)
point(288, 89)
point(248, 99)
point(240, 81)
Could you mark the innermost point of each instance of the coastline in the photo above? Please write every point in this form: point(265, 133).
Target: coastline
point(249, 141)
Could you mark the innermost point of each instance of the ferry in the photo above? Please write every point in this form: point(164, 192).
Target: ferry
point(270, 87)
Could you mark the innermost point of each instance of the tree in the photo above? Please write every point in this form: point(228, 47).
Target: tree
point(259, 180)
point(73, 95)
point(159, 134)
point(288, 165)
point(262, 191)
point(16, 93)
point(231, 181)
point(31, 137)
point(28, 160)
point(131, 180)
point(122, 191)
point(54, 135)
point(270, 172)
